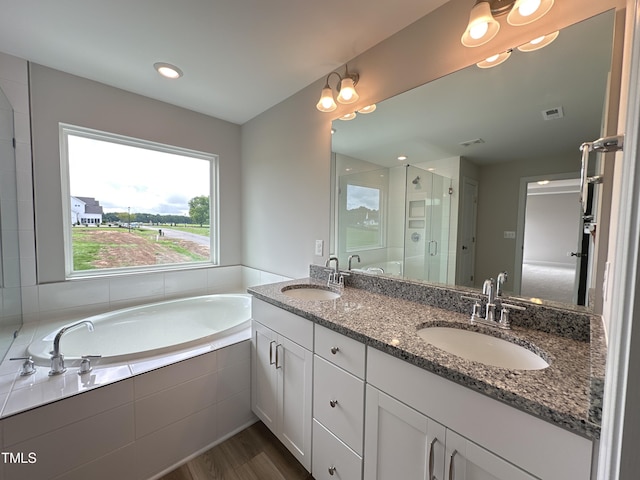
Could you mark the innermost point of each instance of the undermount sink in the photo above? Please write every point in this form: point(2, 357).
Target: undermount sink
point(310, 292)
point(482, 348)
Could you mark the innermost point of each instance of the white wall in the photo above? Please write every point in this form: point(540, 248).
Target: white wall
point(286, 151)
point(59, 97)
point(551, 216)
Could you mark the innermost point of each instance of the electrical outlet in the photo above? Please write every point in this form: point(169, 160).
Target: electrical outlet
point(319, 248)
point(511, 235)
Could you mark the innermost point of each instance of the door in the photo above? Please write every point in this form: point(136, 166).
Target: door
point(428, 212)
point(552, 251)
point(293, 364)
point(400, 442)
point(263, 373)
point(466, 460)
point(466, 257)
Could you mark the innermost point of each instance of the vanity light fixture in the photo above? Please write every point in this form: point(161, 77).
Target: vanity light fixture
point(483, 27)
point(538, 43)
point(368, 109)
point(348, 116)
point(494, 60)
point(167, 70)
point(346, 91)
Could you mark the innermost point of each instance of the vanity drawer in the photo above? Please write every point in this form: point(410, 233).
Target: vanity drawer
point(343, 351)
point(332, 459)
point(295, 328)
point(338, 402)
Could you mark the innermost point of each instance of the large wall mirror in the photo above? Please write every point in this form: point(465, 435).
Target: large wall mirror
point(478, 172)
point(10, 283)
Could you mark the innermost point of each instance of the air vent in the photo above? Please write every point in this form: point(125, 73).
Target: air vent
point(553, 113)
point(471, 142)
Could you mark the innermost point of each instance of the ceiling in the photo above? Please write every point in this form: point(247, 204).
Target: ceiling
point(239, 57)
point(502, 106)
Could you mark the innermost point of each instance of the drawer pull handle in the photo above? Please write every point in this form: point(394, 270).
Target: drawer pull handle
point(451, 472)
point(332, 470)
point(278, 357)
point(333, 403)
point(334, 350)
point(433, 442)
point(271, 362)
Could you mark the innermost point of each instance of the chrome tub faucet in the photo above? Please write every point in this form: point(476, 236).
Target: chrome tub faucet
point(57, 358)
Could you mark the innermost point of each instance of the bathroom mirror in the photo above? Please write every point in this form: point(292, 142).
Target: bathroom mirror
point(10, 294)
point(477, 172)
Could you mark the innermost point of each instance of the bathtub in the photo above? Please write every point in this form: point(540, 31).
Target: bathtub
point(148, 330)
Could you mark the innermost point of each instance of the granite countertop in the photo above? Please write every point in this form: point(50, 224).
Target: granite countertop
point(561, 394)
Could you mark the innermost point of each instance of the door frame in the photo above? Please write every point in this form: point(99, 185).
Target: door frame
point(522, 208)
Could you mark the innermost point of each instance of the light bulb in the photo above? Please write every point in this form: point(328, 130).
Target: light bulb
point(348, 92)
point(479, 30)
point(482, 27)
point(528, 7)
point(528, 11)
point(326, 102)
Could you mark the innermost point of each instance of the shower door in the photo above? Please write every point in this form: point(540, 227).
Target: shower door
point(427, 218)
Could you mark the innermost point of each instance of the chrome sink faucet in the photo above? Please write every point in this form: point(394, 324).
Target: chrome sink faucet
point(57, 358)
point(336, 279)
point(488, 289)
point(493, 291)
point(351, 257)
point(502, 278)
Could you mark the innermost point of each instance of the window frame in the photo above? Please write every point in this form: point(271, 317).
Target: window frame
point(66, 130)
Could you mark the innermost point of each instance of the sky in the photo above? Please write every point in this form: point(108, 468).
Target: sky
point(358, 196)
point(146, 181)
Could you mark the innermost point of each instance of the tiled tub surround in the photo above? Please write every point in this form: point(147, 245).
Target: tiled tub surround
point(137, 428)
point(561, 394)
point(130, 420)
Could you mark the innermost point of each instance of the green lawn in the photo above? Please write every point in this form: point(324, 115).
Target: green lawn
point(362, 237)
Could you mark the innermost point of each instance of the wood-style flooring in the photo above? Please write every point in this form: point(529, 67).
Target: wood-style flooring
point(253, 454)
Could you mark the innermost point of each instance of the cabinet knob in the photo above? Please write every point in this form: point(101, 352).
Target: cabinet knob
point(332, 470)
point(333, 403)
point(334, 350)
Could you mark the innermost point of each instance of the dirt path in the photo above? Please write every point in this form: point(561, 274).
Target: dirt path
point(119, 248)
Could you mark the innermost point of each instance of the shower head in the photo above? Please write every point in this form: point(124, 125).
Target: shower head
point(416, 181)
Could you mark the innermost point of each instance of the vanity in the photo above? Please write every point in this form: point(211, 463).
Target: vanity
point(359, 394)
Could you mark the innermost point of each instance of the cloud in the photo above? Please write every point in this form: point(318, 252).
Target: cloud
point(362, 197)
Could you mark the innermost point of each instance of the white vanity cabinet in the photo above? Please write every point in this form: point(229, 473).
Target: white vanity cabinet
point(338, 406)
point(491, 440)
point(401, 442)
point(467, 461)
point(281, 376)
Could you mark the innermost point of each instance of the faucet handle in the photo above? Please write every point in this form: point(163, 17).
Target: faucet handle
point(28, 367)
point(85, 364)
point(504, 314)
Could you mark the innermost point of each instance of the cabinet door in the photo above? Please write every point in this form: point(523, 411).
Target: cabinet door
point(468, 461)
point(264, 375)
point(294, 369)
point(400, 442)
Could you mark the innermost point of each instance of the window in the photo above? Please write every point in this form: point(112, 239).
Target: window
point(130, 204)
point(363, 217)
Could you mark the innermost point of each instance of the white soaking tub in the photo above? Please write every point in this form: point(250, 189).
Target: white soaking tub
point(135, 333)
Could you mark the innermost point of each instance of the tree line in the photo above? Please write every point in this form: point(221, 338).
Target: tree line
point(198, 214)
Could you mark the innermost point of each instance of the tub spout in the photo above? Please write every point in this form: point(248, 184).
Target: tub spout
point(57, 358)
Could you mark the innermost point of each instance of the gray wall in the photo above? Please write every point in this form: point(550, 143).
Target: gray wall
point(551, 229)
point(60, 97)
point(499, 192)
point(286, 151)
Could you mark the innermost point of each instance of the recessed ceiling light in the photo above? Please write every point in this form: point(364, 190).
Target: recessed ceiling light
point(402, 158)
point(167, 70)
